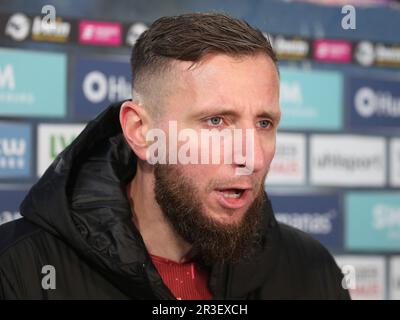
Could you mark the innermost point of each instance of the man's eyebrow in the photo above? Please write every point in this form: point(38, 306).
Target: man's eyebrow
point(228, 112)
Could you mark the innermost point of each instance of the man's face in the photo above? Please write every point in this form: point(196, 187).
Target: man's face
point(221, 92)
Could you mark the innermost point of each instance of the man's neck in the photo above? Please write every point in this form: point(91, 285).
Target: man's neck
point(158, 234)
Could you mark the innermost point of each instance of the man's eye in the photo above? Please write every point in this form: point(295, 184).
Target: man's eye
point(214, 121)
point(264, 124)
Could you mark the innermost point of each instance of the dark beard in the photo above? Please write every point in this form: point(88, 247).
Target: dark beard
point(211, 240)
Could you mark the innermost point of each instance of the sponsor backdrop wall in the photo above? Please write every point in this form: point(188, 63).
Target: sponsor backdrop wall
point(336, 174)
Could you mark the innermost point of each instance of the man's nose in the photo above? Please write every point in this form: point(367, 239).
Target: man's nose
point(248, 151)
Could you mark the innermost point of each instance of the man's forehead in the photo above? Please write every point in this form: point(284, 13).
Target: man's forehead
point(215, 73)
point(209, 85)
point(218, 61)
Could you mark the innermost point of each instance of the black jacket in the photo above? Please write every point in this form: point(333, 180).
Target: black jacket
point(77, 218)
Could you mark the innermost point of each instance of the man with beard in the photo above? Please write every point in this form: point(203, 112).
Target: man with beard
point(104, 222)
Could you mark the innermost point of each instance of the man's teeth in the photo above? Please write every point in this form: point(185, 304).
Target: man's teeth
point(235, 194)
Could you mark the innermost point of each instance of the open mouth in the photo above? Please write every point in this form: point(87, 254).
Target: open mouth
point(233, 198)
point(232, 193)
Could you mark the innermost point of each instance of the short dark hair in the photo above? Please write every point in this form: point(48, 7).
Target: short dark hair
point(189, 37)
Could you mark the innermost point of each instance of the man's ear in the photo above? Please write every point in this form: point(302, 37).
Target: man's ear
point(134, 122)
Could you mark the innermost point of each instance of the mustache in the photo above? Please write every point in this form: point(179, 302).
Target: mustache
point(254, 184)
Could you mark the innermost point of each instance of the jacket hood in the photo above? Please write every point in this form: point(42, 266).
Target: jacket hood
point(82, 199)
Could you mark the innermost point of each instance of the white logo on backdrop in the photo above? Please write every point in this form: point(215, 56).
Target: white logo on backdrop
point(369, 102)
point(18, 27)
point(365, 53)
point(134, 33)
point(98, 87)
